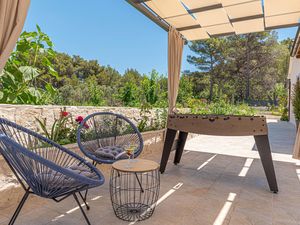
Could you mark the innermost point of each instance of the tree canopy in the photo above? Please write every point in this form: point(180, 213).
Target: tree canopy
point(244, 68)
point(248, 68)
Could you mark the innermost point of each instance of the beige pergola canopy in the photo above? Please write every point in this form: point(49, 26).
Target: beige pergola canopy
point(202, 19)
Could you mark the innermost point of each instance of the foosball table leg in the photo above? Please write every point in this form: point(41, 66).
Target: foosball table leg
point(169, 140)
point(180, 146)
point(264, 150)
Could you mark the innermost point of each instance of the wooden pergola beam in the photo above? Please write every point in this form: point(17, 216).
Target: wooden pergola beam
point(140, 6)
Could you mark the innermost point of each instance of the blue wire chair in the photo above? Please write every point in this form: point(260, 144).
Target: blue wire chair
point(45, 168)
point(103, 137)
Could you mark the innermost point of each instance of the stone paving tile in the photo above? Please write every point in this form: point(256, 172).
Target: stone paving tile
point(245, 218)
point(3, 219)
point(286, 213)
point(198, 201)
point(285, 222)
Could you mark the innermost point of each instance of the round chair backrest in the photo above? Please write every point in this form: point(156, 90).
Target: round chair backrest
point(104, 137)
point(45, 166)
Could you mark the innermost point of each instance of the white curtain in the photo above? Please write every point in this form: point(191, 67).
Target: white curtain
point(12, 17)
point(175, 48)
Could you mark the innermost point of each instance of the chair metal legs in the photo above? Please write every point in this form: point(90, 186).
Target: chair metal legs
point(85, 216)
point(20, 206)
point(25, 196)
point(84, 199)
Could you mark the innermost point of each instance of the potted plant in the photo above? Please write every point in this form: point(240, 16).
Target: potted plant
point(296, 101)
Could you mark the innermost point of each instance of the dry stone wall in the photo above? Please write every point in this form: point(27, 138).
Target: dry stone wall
point(25, 114)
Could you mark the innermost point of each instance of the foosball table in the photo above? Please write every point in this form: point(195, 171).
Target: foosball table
point(220, 125)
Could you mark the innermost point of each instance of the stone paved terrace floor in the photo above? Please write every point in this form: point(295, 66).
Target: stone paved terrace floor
point(219, 181)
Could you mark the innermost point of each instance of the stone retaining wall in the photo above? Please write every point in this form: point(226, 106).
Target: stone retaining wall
point(25, 114)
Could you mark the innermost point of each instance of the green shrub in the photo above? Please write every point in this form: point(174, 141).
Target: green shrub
point(29, 74)
point(220, 107)
point(148, 122)
point(296, 99)
point(282, 95)
point(284, 115)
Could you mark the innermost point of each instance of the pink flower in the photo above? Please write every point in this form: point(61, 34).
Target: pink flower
point(64, 114)
point(79, 119)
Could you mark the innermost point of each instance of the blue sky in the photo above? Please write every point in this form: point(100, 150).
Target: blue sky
point(112, 31)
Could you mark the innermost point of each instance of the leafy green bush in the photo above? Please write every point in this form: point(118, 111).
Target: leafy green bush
point(26, 78)
point(281, 94)
point(220, 108)
point(148, 122)
point(128, 94)
point(145, 115)
point(296, 99)
point(284, 115)
point(150, 88)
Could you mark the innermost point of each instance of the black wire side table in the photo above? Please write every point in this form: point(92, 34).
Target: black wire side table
point(134, 190)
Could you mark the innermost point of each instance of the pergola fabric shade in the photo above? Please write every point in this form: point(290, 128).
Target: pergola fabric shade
point(278, 7)
point(175, 48)
point(195, 34)
point(249, 26)
point(182, 21)
point(167, 8)
point(194, 4)
point(224, 28)
point(238, 10)
point(281, 20)
point(12, 18)
point(212, 17)
point(280, 12)
point(201, 19)
point(232, 2)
